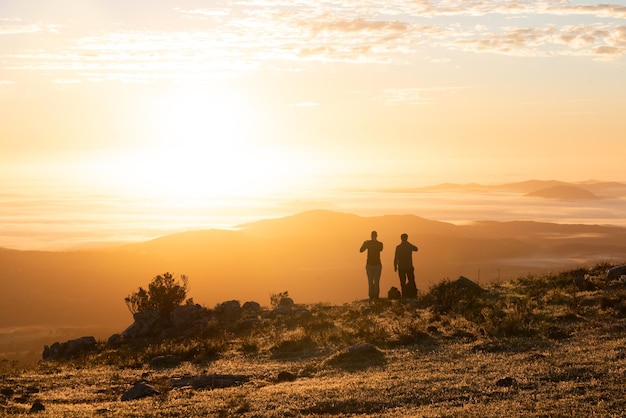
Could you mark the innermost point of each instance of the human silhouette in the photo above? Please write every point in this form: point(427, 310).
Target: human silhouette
point(403, 264)
point(373, 266)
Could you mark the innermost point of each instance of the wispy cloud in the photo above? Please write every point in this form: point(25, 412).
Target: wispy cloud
point(416, 96)
point(15, 26)
point(229, 38)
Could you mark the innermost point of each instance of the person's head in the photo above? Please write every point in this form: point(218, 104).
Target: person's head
point(404, 237)
point(374, 234)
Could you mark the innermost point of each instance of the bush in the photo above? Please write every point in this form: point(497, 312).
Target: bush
point(164, 293)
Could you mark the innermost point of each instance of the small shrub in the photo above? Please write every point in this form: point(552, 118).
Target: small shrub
point(164, 293)
point(275, 298)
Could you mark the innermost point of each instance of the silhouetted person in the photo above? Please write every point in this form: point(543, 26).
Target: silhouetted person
point(403, 264)
point(373, 266)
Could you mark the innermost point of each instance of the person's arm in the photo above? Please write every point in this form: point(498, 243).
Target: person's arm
point(413, 247)
point(363, 247)
point(395, 260)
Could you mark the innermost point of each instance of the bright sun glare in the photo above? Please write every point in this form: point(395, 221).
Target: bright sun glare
point(204, 145)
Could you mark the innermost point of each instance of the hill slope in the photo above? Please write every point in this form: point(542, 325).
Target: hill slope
point(313, 255)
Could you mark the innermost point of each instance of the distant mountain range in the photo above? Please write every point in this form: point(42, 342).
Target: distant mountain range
point(548, 189)
point(313, 255)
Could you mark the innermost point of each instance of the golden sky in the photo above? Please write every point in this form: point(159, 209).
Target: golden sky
point(255, 96)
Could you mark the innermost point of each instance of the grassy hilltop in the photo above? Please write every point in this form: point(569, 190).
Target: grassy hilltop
point(550, 345)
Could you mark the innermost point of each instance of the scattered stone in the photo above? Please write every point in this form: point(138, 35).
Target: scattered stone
point(285, 376)
point(114, 341)
point(37, 407)
point(464, 283)
point(614, 273)
point(251, 309)
point(185, 316)
point(138, 391)
point(229, 312)
point(433, 330)
point(282, 310)
point(147, 323)
point(69, 349)
point(165, 361)
point(8, 392)
point(357, 357)
point(506, 382)
point(212, 381)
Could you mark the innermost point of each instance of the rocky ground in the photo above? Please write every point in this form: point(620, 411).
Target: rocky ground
point(549, 346)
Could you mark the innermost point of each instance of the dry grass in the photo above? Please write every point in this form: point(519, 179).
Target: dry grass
point(534, 348)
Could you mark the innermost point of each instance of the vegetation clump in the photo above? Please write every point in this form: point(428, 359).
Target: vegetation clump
point(552, 345)
point(165, 292)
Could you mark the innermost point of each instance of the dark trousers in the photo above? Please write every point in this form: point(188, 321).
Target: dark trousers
point(407, 282)
point(373, 279)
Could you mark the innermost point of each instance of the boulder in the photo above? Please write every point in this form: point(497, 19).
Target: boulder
point(464, 283)
point(614, 273)
point(357, 357)
point(114, 341)
point(138, 391)
point(186, 316)
point(229, 311)
point(69, 349)
point(285, 376)
point(285, 301)
point(165, 361)
point(210, 381)
point(37, 407)
point(147, 324)
point(251, 309)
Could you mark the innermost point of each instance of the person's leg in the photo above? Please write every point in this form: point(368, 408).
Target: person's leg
point(402, 275)
point(376, 280)
point(370, 280)
point(411, 283)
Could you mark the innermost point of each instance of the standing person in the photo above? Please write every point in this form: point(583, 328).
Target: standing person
point(373, 266)
point(403, 264)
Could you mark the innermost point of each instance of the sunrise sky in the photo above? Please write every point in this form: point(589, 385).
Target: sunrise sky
point(215, 98)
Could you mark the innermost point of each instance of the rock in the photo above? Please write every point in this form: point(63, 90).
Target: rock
point(357, 357)
point(251, 309)
point(614, 273)
point(281, 310)
point(147, 324)
point(229, 312)
point(285, 376)
point(433, 330)
point(114, 341)
point(507, 382)
point(394, 294)
point(467, 284)
point(37, 407)
point(211, 381)
point(138, 391)
point(166, 361)
point(8, 392)
point(184, 316)
point(69, 349)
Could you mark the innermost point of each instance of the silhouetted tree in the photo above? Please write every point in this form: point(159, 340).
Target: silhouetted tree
point(164, 293)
